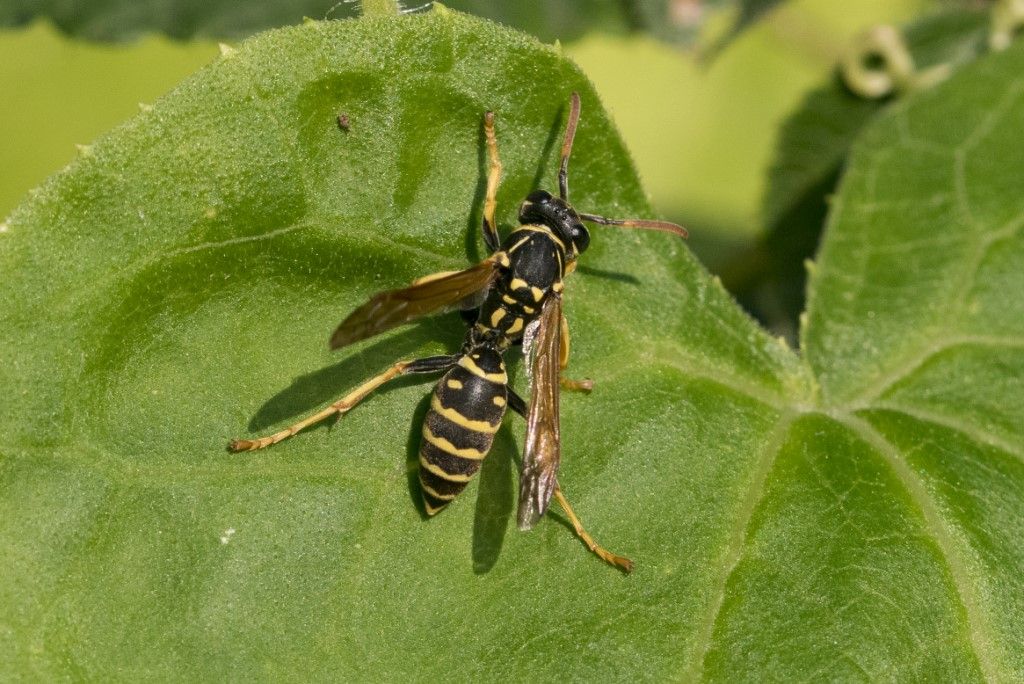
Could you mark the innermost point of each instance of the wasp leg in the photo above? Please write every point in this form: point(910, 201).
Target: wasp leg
point(493, 177)
point(604, 554)
point(432, 364)
point(563, 362)
point(518, 404)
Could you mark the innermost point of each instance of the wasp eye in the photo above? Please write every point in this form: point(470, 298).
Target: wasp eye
point(539, 197)
point(580, 238)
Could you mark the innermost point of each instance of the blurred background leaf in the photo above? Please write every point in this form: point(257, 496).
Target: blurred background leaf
point(676, 21)
point(703, 133)
point(770, 278)
point(702, 136)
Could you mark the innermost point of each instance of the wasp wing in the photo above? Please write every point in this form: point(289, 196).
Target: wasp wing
point(386, 310)
point(542, 451)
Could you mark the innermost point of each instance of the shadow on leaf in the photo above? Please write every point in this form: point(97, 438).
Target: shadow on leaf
point(495, 500)
point(312, 390)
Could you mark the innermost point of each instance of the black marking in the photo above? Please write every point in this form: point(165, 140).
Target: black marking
point(475, 400)
point(459, 436)
point(449, 463)
point(433, 504)
point(440, 485)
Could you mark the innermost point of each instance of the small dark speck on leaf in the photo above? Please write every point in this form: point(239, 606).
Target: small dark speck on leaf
point(343, 121)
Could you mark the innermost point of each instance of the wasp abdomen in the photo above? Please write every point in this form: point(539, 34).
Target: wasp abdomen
point(465, 411)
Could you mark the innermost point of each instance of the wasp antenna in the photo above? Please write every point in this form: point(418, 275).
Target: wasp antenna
point(663, 226)
point(570, 134)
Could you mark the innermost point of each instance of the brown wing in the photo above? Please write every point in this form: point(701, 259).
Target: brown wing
point(542, 451)
point(385, 310)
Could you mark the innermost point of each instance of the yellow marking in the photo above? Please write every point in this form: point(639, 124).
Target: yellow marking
point(518, 244)
point(561, 264)
point(570, 267)
point(508, 300)
point(515, 327)
point(498, 401)
point(451, 477)
point(528, 309)
point(468, 364)
point(432, 492)
point(461, 420)
point(454, 384)
point(537, 228)
point(449, 448)
point(558, 287)
point(518, 284)
point(431, 510)
point(538, 294)
point(495, 317)
point(432, 277)
point(503, 259)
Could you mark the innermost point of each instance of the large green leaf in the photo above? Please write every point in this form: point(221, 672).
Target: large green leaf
point(175, 287)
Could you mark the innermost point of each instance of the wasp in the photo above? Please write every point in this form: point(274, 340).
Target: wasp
point(516, 294)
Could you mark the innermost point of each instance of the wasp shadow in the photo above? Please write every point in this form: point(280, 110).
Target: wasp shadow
point(554, 133)
point(412, 455)
point(475, 214)
point(495, 500)
point(608, 275)
point(310, 391)
point(495, 493)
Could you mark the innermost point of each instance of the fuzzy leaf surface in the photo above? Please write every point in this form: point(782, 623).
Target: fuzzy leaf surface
point(175, 287)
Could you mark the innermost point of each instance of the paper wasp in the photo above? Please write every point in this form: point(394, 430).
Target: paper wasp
point(516, 294)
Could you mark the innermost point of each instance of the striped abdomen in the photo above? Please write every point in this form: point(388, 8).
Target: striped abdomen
point(465, 412)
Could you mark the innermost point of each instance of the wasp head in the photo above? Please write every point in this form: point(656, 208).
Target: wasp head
point(540, 207)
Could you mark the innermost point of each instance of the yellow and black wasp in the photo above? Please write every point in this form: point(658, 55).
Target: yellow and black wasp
point(517, 294)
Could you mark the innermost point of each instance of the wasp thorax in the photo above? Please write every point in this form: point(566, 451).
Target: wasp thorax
point(540, 207)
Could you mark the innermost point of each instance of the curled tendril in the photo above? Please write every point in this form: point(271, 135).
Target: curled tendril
point(879, 64)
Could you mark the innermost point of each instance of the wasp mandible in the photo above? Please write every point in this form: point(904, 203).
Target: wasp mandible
point(517, 295)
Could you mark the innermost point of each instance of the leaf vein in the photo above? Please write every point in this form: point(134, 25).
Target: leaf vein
point(733, 551)
point(960, 576)
point(905, 370)
point(974, 432)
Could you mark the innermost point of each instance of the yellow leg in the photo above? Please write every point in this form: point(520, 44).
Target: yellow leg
point(604, 554)
point(563, 362)
point(493, 178)
point(341, 407)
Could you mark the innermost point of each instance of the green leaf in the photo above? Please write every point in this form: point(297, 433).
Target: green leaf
point(915, 333)
point(175, 287)
point(812, 147)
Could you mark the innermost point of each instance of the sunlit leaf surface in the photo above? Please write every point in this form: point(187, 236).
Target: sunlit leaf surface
point(854, 515)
